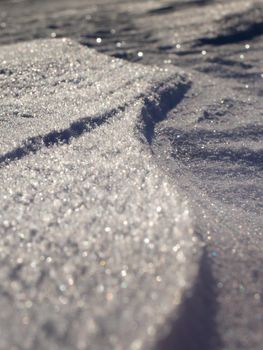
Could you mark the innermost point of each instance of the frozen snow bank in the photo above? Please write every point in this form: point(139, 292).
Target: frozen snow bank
point(97, 246)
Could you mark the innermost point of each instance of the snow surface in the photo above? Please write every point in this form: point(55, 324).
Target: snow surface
point(180, 150)
point(97, 247)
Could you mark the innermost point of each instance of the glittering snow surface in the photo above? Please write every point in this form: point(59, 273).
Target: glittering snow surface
point(131, 195)
point(97, 247)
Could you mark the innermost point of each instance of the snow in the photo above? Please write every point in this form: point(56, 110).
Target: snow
point(97, 246)
point(91, 140)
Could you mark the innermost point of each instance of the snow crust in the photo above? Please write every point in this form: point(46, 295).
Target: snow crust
point(206, 136)
point(97, 246)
